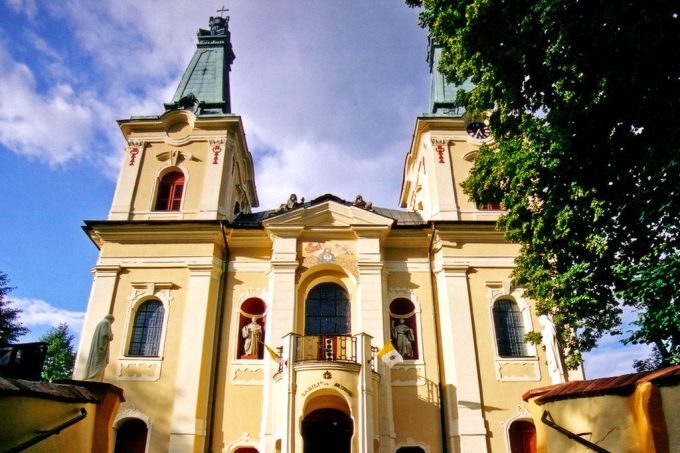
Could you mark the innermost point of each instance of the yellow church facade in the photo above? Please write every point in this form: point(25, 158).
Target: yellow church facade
point(239, 330)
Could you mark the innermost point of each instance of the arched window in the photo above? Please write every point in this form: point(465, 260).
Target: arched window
point(146, 330)
point(522, 435)
point(403, 329)
point(131, 436)
point(327, 311)
point(509, 326)
point(170, 191)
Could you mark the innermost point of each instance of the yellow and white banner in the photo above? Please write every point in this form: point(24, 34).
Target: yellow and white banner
point(389, 355)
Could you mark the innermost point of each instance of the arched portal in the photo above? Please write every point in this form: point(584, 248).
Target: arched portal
point(131, 436)
point(327, 431)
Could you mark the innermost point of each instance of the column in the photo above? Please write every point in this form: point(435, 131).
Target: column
point(187, 427)
point(464, 416)
point(100, 305)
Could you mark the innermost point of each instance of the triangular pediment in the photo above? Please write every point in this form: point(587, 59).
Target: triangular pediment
point(329, 213)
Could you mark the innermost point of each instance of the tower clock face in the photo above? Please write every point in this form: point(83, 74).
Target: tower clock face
point(478, 130)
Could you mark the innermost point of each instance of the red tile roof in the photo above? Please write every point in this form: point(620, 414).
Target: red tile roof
point(616, 385)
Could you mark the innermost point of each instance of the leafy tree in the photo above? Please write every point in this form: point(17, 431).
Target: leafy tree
point(10, 327)
point(584, 102)
point(60, 355)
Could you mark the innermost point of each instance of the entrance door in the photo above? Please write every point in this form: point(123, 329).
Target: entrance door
point(327, 431)
point(131, 437)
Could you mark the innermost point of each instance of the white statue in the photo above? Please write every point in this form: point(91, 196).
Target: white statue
point(99, 349)
point(253, 334)
point(403, 335)
point(552, 350)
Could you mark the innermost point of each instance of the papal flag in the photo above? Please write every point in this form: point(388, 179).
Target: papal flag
point(271, 351)
point(389, 355)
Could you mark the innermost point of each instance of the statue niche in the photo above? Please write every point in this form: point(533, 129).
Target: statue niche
point(403, 329)
point(251, 329)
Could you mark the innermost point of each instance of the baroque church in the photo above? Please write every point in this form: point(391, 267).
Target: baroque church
point(327, 325)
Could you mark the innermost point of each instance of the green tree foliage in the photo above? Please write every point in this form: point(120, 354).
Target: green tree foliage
point(60, 355)
point(10, 327)
point(585, 102)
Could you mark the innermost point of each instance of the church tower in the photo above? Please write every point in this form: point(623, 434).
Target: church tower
point(185, 173)
point(192, 162)
point(443, 149)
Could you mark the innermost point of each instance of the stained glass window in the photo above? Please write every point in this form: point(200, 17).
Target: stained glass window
point(327, 311)
point(146, 331)
point(509, 325)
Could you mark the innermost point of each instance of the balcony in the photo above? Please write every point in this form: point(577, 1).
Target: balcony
point(325, 348)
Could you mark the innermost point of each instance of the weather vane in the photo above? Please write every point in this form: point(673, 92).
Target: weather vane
point(222, 11)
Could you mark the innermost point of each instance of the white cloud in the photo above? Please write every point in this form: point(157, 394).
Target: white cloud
point(614, 360)
point(612, 357)
point(42, 126)
point(28, 7)
point(336, 93)
point(38, 313)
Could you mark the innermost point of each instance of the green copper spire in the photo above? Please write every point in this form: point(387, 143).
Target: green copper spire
point(204, 88)
point(442, 93)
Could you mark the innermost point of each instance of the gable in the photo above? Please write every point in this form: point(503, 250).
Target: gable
point(329, 213)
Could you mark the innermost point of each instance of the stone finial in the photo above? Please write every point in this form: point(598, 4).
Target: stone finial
point(291, 204)
point(360, 203)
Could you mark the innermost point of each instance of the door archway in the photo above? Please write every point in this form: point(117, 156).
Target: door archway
point(327, 431)
point(131, 436)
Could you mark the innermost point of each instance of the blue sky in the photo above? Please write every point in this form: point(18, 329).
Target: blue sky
point(328, 91)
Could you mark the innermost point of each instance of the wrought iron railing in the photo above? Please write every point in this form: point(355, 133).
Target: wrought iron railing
point(330, 348)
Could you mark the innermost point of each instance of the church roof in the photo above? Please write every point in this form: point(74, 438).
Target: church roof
point(401, 218)
point(615, 385)
point(442, 93)
point(204, 87)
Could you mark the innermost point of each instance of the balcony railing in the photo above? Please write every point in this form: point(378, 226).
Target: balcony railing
point(329, 348)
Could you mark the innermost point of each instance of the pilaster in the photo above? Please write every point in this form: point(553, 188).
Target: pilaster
point(280, 324)
point(370, 291)
point(187, 430)
point(127, 180)
point(444, 185)
point(465, 426)
point(217, 165)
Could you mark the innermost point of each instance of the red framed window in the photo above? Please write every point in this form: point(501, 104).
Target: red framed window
point(170, 192)
point(490, 206)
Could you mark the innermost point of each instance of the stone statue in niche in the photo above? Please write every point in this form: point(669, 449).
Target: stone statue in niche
point(252, 333)
point(99, 349)
point(552, 350)
point(403, 336)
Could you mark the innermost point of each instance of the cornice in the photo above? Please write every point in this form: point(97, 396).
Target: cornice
point(136, 232)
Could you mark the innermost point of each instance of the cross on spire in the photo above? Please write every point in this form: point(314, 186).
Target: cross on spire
point(222, 11)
